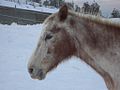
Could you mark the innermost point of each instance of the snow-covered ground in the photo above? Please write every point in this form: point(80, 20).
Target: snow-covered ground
point(16, 45)
point(27, 6)
point(116, 20)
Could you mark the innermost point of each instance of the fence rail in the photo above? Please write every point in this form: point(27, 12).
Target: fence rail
point(21, 16)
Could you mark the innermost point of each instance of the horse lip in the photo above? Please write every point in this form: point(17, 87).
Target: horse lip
point(41, 78)
point(37, 76)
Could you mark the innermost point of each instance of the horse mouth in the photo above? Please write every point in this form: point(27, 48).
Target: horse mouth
point(37, 74)
point(39, 77)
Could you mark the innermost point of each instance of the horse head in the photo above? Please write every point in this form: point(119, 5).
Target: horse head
point(54, 46)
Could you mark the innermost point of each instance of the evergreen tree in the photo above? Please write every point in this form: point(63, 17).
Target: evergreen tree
point(115, 13)
point(46, 3)
point(40, 3)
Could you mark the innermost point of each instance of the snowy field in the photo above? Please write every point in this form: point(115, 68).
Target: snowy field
point(27, 6)
point(17, 44)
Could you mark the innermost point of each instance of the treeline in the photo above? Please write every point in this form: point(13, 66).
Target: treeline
point(87, 8)
point(46, 3)
point(53, 3)
point(49, 3)
point(115, 13)
point(93, 8)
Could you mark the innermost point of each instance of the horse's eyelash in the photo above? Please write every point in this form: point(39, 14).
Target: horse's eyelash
point(48, 36)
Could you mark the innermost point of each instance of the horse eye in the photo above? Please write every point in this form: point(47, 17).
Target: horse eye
point(48, 37)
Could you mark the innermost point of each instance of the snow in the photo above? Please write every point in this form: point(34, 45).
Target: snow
point(27, 6)
point(17, 44)
point(116, 20)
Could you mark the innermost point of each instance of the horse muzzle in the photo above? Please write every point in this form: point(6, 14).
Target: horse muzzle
point(36, 73)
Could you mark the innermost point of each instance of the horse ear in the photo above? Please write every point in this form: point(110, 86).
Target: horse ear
point(63, 12)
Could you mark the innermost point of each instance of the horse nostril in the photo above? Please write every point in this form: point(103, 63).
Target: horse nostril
point(30, 70)
point(40, 72)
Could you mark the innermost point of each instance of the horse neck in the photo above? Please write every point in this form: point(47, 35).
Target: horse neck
point(86, 40)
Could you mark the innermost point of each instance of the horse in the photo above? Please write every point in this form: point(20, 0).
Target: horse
point(94, 40)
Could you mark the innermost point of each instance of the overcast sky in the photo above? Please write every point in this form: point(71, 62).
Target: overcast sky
point(106, 5)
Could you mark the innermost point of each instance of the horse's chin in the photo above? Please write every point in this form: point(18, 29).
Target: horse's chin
point(39, 77)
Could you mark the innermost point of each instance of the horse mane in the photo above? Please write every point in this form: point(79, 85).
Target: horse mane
point(95, 19)
point(88, 17)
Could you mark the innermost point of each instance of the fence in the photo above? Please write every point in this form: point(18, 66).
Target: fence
point(21, 16)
